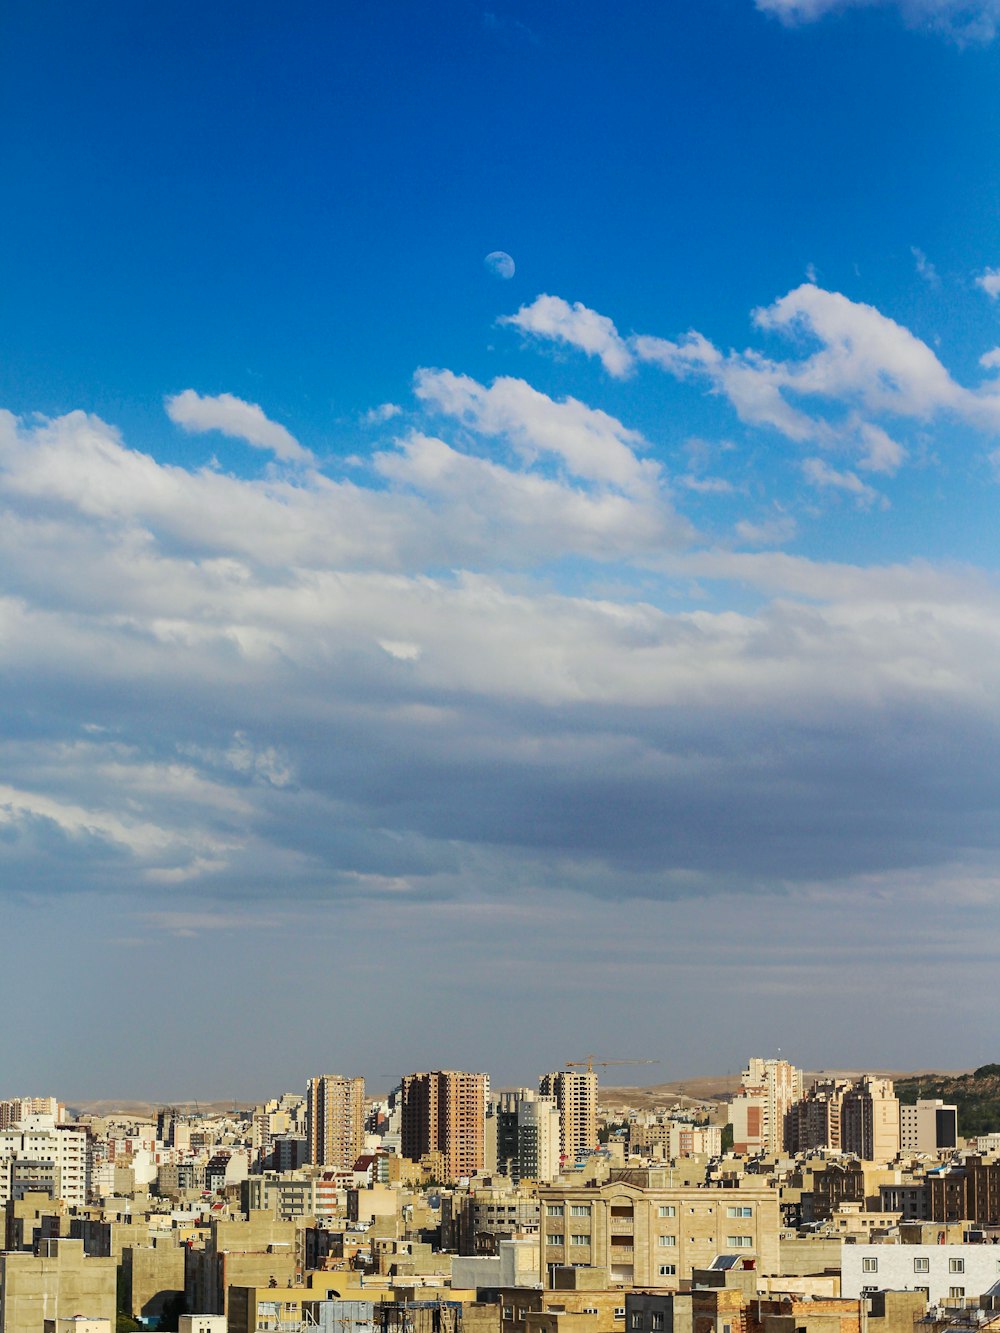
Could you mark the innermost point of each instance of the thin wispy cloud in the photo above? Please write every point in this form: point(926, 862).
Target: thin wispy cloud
point(964, 20)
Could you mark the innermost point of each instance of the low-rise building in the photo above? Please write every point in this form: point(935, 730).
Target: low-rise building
point(941, 1273)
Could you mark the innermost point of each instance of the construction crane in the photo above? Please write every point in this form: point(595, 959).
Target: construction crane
point(592, 1060)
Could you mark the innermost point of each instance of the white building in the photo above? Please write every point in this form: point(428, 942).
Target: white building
point(39, 1139)
point(941, 1272)
point(538, 1138)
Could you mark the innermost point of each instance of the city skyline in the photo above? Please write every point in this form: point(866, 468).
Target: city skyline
point(498, 531)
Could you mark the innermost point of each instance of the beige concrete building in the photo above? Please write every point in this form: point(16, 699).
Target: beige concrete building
point(57, 1283)
point(647, 1233)
point(757, 1113)
point(667, 1136)
point(254, 1253)
point(445, 1111)
point(335, 1120)
point(815, 1121)
point(579, 1299)
point(152, 1277)
point(202, 1323)
point(575, 1094)
point(928, 1127)
point(17, 1109)
point(77, 1323)
point(870, 1120)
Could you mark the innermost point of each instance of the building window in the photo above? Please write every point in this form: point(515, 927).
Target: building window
point(956, 1293)
point(579, 1239)
point(579, 1210)
point(556, 1238)
point(508, 1312)
point(667, 1240)
point(956, 1266)
point(656, 1321)
point(869, 1265)
point(667, 1210)
point(921, 1265)
point(619, 1312)
point(554, 1210)
point(636, 1319)
point(739, 1242)
point(741, 1211)
point(667, 1270)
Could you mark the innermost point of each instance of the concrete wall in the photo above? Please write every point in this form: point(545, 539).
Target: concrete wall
point(58, 1285)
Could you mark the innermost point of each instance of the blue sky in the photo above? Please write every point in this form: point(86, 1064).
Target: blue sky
point(456, 657)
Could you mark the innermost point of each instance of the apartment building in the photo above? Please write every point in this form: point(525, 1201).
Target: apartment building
point(17, 1109)
point(870, 1120)
point(928, 1127)
point(444, 1111)
point(942, 1273)
point(757, 1112)
point(575, 1095)
point(40, 1153)
point(335, 1120)
point(674, 1138)
point(523, 1135)
point(814, 1122)
point(646, 1232)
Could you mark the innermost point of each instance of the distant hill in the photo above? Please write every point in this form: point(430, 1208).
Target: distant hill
point(976, 1094)
point(721, 1088)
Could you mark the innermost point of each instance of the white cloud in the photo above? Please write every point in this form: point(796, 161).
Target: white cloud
point(989, 280)
point(866, 366)
point(233, 417)
point(822, 475)
point(498, 508)
point(576, 325)
point(965, 20)
point(882, 453)
point(329, 687)
point(702, 485)
point(377, 416)
point(591, 444)
point(401, 651)
point(770, 532)
point(925, 268)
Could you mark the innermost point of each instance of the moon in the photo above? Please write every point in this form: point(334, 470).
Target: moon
point(500, 264)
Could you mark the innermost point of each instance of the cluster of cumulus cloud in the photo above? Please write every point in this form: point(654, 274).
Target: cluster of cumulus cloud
point(415, 675)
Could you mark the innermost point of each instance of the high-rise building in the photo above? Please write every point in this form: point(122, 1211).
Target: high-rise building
point(814, 1122)
point(17, 1109)
point(757, 1112)
point(539, 1127)
point(335, 1120)
point(930, 1126)
point(523, 1135)
point(501, 1131)
point(576, 1097)
point(444, 1111)
point(869, 1122)
point(39, 1142)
